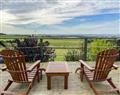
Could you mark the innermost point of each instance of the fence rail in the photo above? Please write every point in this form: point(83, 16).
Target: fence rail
point(84, 47)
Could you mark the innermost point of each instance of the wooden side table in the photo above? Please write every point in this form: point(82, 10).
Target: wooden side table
point(57, 69)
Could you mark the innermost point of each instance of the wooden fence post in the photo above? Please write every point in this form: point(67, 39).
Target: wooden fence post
point(85, 49)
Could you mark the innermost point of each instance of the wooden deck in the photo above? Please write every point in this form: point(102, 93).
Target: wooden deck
point(75, 86)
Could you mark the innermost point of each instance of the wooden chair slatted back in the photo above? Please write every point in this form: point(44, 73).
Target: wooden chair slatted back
point(104, 63)
point(15, 62)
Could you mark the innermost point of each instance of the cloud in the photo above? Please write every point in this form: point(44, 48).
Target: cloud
point(6, 17)
point(46, 12)
point(8, 29)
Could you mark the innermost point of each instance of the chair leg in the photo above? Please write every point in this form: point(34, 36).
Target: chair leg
point(41, 70)
point(38, 76)
point(91, 85)
point(93, 88)
point(81, 75)
point(32, 82)
point(81, 72)
point(7, 86)
point(113, 85)
point(29, 88)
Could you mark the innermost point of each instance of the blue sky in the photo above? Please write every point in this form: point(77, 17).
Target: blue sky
point(72, 17)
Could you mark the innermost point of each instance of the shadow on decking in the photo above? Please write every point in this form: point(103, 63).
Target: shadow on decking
point(75, 87)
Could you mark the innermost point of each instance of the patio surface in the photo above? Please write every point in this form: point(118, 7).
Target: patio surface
point(75, 87)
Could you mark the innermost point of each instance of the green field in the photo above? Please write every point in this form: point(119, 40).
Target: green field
point(94, 45)
point(60, 54)
point(64, 42)
point(53, 42)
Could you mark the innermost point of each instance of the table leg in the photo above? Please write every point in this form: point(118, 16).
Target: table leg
point(66, 82)
point(48, 82)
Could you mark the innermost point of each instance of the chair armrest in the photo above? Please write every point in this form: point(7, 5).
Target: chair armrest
point(115, 66)
point(86, 65)
point(37, 63)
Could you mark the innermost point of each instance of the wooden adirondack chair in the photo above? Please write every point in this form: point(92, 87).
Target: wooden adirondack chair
point(15, 64)
point(104, 64)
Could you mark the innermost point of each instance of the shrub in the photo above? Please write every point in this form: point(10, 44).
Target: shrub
point(98, 45)
point(73, 55)
point(34, 50)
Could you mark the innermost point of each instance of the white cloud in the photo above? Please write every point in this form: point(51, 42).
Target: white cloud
point(8, 29)
point(61, 11)
point(6, 17)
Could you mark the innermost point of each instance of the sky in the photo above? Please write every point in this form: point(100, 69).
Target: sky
point(60, 17)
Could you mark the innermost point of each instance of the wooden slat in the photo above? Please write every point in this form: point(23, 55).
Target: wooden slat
point(15, 61)
point(104, 63)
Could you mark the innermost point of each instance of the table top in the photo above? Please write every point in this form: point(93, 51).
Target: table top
point(57, 67)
